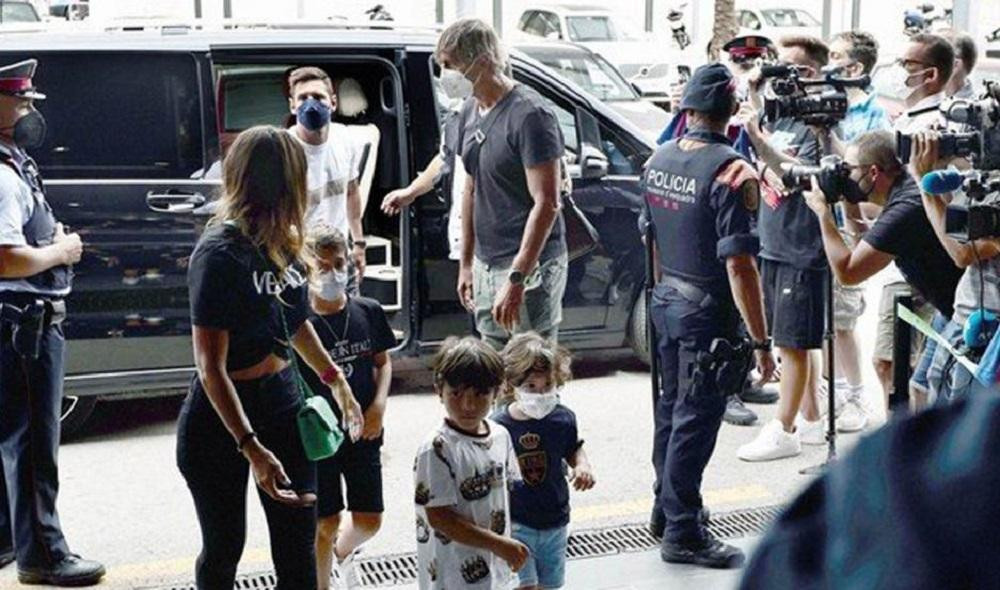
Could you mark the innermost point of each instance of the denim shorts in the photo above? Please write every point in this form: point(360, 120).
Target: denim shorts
point(546, 564)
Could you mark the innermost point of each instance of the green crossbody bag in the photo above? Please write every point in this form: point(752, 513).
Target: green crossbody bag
point(318, 426)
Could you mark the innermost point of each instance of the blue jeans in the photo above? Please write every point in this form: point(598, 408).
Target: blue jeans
point(919, 378)
point(949, 380)
point(546, 564)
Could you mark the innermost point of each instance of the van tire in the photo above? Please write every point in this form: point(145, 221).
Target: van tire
point(637, 329)
point(76, 410)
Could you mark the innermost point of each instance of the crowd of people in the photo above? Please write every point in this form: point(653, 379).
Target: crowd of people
point(742, 265)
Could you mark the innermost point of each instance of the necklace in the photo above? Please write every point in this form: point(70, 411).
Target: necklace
point(347, 322)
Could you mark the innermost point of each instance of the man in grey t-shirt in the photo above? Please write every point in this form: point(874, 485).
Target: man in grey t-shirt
point(513, 265)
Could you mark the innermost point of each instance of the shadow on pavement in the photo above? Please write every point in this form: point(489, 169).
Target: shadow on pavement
point(130, 418)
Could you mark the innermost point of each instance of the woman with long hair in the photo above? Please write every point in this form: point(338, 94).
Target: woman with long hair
point(248, 281)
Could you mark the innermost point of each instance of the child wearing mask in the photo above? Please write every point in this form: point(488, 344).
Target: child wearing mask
point(357, 335)
point(544, 435)
point(461, 476)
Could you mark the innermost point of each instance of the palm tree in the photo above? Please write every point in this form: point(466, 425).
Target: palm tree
point(724, 26)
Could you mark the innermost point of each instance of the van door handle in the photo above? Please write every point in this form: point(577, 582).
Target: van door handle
point(174, 201)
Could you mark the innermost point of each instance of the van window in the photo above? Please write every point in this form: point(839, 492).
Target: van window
point(119, 115)
point(567, 122)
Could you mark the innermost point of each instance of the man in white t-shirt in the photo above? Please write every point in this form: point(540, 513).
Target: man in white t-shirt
point(333, 158)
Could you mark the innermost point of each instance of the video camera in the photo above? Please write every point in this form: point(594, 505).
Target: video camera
point(981, 143)
point(833, 175)
point(814, 101)
point(979, 217)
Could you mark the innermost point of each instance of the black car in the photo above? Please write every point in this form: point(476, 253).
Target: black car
point(137, 120)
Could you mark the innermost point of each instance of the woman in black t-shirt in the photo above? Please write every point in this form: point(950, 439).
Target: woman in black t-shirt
point(249, 295)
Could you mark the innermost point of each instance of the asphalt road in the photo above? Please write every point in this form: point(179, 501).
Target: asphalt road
point(123, 501)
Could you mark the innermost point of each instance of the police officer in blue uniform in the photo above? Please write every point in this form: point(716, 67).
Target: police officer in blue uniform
point(700, 199)
point(35, 276)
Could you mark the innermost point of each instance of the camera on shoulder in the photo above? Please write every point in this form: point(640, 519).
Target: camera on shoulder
point(813, 101)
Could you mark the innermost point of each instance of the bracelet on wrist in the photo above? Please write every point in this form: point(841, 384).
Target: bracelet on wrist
point(331, 375)
point(245, 439)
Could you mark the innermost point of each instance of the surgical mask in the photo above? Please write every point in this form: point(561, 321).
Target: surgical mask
point(29, 131)
point(313, 114)
point(537, 405)
point(332, 285)
point(455, 84)
point(899, 83)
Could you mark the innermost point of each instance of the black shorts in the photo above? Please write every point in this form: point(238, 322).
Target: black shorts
point(358, 466)
point(793, 300)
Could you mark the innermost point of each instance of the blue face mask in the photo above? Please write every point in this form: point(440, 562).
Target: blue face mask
point(313, 114)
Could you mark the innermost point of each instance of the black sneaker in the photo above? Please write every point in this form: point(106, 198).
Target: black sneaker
point(758, 395)
point(737, 413)
point(710, 553)
point(6, 558)
point(658, 521)
point(72, 570)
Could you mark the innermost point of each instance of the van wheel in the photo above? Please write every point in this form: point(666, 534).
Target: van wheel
point(76, 410)
point(637, 330)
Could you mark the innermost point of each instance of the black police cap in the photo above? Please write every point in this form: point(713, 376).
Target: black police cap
point(710, 90)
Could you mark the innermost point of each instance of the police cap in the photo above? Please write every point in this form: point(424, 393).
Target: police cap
point(748, 47)
point(15, 80)
point(710, 90)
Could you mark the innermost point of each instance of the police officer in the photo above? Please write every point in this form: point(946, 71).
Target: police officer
point(35, 254)
point(700, 197)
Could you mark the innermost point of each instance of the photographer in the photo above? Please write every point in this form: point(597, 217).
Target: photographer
point(977, 291)
point(855, 53)
point(792, 265)
point(901, 233)
point(920, 78)
point(966, 54)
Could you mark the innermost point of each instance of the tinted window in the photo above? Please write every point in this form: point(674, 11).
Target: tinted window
point(18, 12)
point(253, 97)
point(119, 115)
point(534, 25)
point(594, 75)
point(551, 24)
point(583, 29)
point(749, 20)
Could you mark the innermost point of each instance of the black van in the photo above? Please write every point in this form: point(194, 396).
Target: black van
point(136, 121)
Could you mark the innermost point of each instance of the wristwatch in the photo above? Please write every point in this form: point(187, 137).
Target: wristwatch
point(515, 277)
point(360, 243)
point(764, 345)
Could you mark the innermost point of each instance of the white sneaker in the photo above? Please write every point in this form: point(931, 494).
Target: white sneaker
point(772, 443)
point(811, 433)
point(839, 400)
point(854, 416)
point(347, 575)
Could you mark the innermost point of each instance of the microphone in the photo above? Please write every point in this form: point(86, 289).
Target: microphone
point(940, 182)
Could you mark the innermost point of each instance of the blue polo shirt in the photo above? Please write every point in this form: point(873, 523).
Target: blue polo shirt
point(867, 115)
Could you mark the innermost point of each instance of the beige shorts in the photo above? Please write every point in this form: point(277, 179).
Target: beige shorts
point(848, 305)
point(887, 317)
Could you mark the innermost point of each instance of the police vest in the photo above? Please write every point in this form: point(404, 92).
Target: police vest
point(40, 229)
point(677, 187)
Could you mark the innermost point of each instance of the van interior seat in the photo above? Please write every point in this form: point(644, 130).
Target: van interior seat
point(352, 105)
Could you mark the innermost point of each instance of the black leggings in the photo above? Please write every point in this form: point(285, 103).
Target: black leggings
point(216, 474)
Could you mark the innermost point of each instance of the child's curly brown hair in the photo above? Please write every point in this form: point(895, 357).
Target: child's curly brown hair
point(528, 353)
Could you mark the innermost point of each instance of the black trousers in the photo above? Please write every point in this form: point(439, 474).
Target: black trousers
point(689, 410)
point(30, 403)
point(216, 474)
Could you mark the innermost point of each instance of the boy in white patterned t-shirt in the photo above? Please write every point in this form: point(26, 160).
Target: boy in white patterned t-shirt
point(462, 475)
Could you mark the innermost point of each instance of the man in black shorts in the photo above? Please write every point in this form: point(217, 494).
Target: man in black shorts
point(792, 267)
point(357, 335)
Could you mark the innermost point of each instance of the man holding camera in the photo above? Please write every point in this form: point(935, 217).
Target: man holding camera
point(700, 196)
point(978, 293)
point(793, 266)
point(901, 233)
point(35, 277)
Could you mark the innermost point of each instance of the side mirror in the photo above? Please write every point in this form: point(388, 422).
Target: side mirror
point(593, 163)
point(757, 26)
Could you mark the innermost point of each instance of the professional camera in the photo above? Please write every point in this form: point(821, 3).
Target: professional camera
point(980, 142)
point(814, 101)
point(833, 175)
point(979, 217)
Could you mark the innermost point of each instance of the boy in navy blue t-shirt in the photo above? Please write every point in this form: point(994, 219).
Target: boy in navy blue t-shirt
point(544, 434)
point(357, 335)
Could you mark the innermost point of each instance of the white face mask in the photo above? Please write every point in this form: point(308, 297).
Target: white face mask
point(537, 405)
point(331, 285)
point(455, 84)
point(899, 80)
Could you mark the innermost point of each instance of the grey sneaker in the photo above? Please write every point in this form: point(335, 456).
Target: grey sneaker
point(737, 413)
